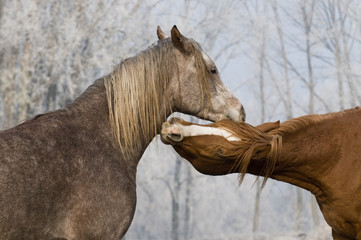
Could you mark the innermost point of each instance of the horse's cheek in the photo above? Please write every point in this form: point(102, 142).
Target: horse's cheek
point(185, 152)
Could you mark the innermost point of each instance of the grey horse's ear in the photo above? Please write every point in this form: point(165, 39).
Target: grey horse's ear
point(179, 40)
point(161, 34)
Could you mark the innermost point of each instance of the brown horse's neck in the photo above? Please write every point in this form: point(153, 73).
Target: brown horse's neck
point(308, 156)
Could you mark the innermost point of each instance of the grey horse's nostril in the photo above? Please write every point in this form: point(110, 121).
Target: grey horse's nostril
point(243, 114)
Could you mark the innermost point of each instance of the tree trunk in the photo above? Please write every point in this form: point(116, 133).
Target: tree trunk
point(262, 96)
point(188, 204)
point(299, 208)
point(175, 200)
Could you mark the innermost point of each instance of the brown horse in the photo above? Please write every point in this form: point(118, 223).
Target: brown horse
point(320, 153)
point(70, 173)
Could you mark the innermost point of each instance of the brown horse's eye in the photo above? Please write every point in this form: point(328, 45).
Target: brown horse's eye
point(214, 71)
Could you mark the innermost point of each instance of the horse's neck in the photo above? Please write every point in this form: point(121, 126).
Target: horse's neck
point(142, 142)
point(308, 155)
point(91, 111)
point(92, 100)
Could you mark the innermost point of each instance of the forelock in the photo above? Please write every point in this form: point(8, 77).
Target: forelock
point(207, 59)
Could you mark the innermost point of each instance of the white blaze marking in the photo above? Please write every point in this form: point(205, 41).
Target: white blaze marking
point(195, 130)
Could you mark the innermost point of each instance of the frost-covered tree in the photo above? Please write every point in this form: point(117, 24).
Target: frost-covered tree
point(282, 59)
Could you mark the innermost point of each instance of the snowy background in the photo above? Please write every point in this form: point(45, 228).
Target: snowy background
point(282, 59)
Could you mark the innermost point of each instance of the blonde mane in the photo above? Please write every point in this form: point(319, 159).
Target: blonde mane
point(137, 96)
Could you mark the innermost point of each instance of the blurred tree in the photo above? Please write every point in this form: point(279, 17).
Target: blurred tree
point(281, 58)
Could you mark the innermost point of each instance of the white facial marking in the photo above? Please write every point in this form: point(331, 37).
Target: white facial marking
point(196, 130)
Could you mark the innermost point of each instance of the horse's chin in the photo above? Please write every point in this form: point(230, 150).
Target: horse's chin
point(234, 114)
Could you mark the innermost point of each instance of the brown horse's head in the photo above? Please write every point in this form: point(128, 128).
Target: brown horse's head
point(224, 147)
point(197, 88)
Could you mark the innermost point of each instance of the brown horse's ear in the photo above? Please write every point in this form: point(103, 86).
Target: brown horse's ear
point(161, 34)
point(266, 127)
point(179, 41)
